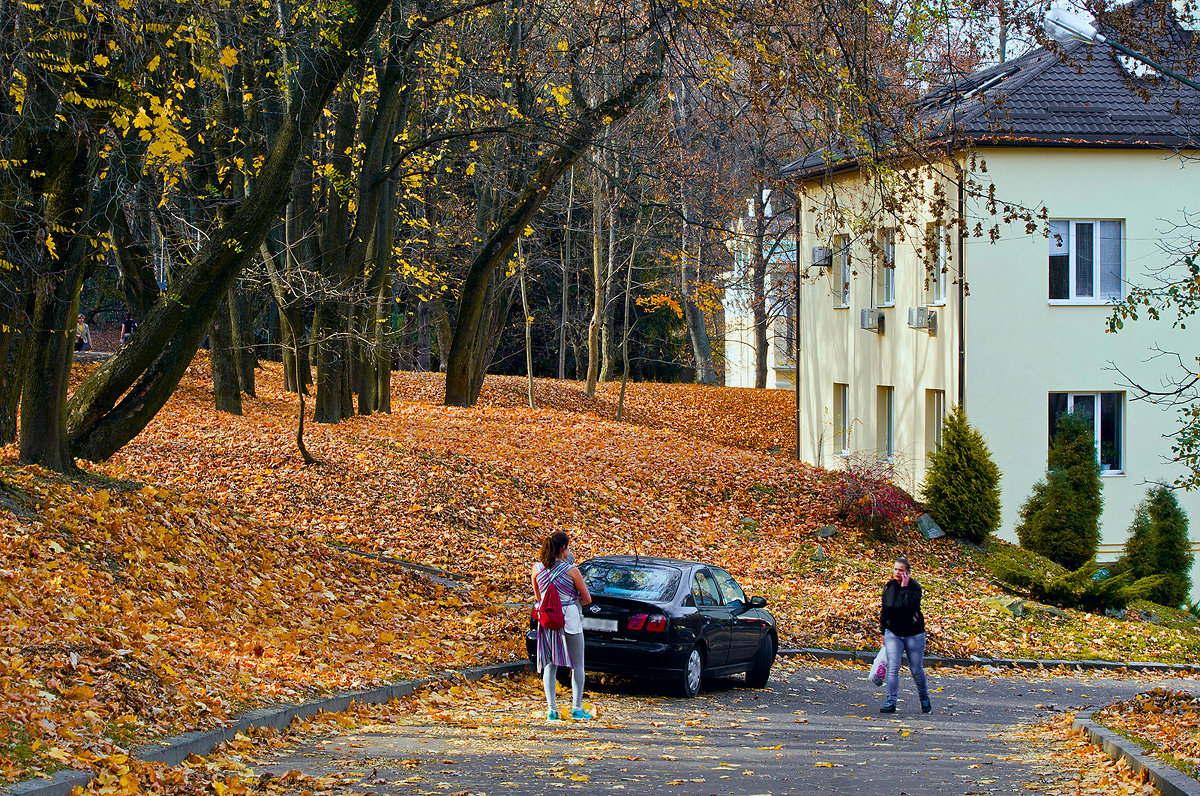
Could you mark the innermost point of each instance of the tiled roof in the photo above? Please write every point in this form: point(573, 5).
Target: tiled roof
point(1080, 96)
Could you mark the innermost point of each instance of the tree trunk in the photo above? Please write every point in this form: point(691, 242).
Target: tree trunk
point(135, 261)
point(625, 335)
point(693, 316)
point(758, 289)
point(528, 326)
point(608, 333)
point(243, 336)
point(12, 351)
point(598, 289)
point(443, 330)
point(227, 392)
point(332, 324)
point(424, 343)
point(567, 258)
point(51, 342)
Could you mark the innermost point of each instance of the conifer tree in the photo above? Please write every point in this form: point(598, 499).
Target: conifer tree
point(1061, 519)
point(962, 485)
point(1158, 545)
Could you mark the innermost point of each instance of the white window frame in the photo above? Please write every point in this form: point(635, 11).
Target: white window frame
point(935, 408)
point(841, 418)
point(885, 278)
point(841, 266)
point(1096, 424)
point(886, 408)
point(1097, 258)
point(936, 264)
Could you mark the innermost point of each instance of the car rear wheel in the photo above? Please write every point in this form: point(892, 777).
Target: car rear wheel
point(764, 659)
point(693, 672)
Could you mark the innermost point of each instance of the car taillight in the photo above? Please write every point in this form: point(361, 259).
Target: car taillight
point(655, 623)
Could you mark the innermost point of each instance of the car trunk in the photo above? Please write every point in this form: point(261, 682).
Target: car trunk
point(608, 619)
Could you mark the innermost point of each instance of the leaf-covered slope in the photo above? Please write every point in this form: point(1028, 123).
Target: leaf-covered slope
point(203, 569)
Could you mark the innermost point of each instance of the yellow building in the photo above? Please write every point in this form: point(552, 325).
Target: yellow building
point(903, 316)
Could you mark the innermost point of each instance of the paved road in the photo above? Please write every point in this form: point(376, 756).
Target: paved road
point(814, 730)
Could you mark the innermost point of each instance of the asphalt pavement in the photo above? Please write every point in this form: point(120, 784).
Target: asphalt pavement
point(814, 730)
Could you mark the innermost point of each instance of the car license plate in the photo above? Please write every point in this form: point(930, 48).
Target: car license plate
point(603, 625)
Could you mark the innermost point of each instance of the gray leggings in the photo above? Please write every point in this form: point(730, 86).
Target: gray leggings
point(550, 672)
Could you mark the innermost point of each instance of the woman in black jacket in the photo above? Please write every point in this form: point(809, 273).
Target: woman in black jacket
point(903, 629)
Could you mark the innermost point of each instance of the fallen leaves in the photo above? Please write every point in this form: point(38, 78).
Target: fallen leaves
point(1167, 722)
point(1073, 766)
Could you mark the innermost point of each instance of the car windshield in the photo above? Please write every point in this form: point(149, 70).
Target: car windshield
point(633, 581)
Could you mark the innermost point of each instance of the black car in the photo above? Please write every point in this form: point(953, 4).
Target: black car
point(658, 617)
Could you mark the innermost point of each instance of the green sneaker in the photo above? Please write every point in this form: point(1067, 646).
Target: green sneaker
point(553, 716)
point(579, 714)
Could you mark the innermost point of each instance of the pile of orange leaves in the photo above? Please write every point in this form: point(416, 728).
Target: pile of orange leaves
point(1165, 721)
point(1074, 766)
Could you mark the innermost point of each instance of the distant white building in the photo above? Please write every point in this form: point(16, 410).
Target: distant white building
point(902, 318)
point(780, 303)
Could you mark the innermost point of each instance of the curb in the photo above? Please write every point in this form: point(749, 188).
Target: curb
point(1169, 780)
point(936, 661)
point(175, 749)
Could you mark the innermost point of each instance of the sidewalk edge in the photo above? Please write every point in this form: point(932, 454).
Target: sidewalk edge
point(175, 749)
point(934, 661)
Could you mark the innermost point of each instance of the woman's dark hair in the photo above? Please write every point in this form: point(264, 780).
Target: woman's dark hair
point(552, 547)
point(904, 561)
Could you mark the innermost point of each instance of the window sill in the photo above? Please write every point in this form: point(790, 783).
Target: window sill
point(885, 306)
point(1107, 302)
point(941, 303)
point(1112, 473)
point(841, 306)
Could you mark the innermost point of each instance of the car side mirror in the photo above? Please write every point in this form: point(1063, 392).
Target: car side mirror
point(758, 602)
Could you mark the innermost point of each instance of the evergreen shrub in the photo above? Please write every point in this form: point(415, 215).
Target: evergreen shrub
point(1088, 587)
point(1158, 545)
point(962, 485)
point(1061, 519)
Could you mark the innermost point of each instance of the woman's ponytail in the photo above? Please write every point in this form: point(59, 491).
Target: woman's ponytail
point(552, 547)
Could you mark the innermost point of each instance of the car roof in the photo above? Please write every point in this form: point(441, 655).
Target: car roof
point(646, 560)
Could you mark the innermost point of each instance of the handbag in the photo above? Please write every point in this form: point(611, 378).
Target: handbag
point(879, 667)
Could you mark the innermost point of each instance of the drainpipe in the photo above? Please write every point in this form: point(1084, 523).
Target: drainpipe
point(962, 295)
point(796, 318)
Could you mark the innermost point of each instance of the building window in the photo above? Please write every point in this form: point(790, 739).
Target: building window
point(841, 418)
point(784, 346)
point(1086, 260)
point(885, 270)
point(841, 268)
point(1106, 411)
point(935, 264)
point(886, 423)
point(935, 413)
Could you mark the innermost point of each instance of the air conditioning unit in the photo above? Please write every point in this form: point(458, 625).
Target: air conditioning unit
point(822, 257)
point(923, 318)
point(872, 320)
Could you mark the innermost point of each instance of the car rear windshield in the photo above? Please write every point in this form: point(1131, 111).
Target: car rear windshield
point(632, 581)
